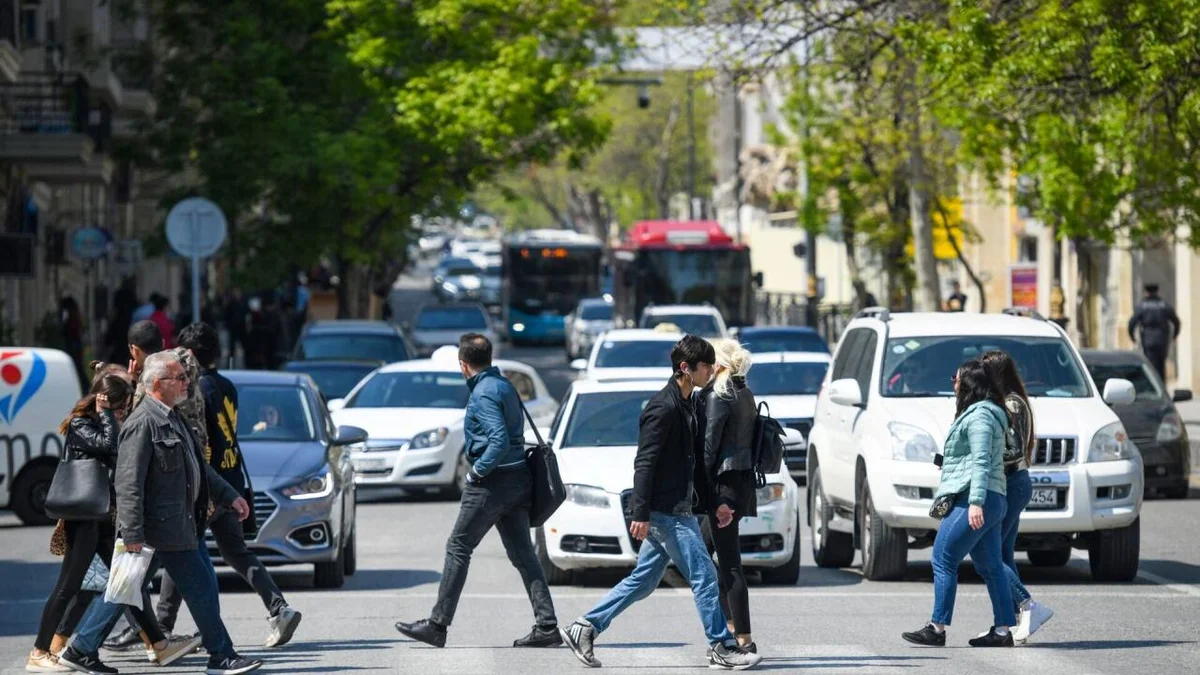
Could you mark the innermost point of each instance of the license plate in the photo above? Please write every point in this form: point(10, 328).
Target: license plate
point(1044, 498)
point(370, 464)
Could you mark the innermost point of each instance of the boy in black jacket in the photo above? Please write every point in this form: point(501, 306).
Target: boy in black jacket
point(661, 515)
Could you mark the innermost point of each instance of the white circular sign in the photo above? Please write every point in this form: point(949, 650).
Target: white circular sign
point(196, 227)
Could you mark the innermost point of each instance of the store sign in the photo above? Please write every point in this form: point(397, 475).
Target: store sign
point(1023, 285)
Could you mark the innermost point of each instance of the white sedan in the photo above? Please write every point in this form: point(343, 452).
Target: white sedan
point(630, 354)
point(788, 382)
point(595, 438)
point(413, 414)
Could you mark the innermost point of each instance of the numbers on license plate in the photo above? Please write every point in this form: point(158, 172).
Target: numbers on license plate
point(1044, 498)
point(370, 464)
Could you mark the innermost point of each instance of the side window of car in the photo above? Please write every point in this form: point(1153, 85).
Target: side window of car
point(558, 417)
point(847, 353)
point(866, 364)
point(523, 384)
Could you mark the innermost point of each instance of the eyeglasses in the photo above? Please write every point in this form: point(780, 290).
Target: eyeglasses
point(182, 377)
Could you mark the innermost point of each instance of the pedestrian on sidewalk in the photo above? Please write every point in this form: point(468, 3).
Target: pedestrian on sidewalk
point(973, 477)
point(661, 516)
point(498, 493)
point(159, 467)
point(224, 454)
point(1159, 326)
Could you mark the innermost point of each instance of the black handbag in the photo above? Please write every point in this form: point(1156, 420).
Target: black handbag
point(548, 490)
point(942, 506)
point(80, 490)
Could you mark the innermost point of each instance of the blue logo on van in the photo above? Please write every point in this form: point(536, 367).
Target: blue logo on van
point(25, 382)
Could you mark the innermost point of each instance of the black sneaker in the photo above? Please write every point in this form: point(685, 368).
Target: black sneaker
point(85, 663)
point(580, 637)
point(424, 631)
point(232, 665)
point(126, 641)
point(540, 637)
point(926, 637)
point(992, 639)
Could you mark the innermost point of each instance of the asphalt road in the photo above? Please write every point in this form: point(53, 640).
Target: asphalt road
point(832, 621)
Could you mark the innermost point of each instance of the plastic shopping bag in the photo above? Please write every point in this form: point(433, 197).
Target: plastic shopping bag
point(96, 579)
point(127, 574)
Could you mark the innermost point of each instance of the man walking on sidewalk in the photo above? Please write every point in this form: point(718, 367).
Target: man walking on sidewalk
point(1160, 327)
point(498, 493)
point(662, 519)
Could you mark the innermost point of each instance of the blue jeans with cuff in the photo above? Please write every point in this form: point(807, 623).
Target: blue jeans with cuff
point(672, 539)
point(955, 539)
point(1020, 491)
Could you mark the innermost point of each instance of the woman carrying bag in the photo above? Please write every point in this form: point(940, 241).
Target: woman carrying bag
point(971, 500)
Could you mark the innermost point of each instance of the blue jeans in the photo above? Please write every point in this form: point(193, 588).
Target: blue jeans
point(955, 539)
point(1020, 490)
point(672, 539)
point(196, 579)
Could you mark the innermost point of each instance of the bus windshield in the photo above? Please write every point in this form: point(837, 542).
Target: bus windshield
point(551, 280)
point(690, 276)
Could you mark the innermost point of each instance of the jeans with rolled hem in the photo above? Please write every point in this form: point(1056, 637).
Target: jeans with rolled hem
point(672, 539)
point(1020, 491)
point(955, 539)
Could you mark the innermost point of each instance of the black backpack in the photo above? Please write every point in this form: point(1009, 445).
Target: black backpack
point(768, 444)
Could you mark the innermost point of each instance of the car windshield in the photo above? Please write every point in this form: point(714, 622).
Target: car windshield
point(596, 312)
point(634, 354)
point(605, 419)
point(452, 318)
point(464, 271)
point(274, 413)
point(370, 346)
point(336, 382)
point(925, 366)
point(786, 379)
point(783, 341)
point(412, 390)
point(1146, 385)
point(703, 325)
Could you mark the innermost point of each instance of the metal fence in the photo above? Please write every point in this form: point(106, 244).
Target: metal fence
point(788, 309)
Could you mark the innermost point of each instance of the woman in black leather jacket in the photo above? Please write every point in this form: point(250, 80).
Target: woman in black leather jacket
point(729, 465)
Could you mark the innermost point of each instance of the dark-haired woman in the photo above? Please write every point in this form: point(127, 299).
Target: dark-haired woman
point(1017, 454)
point(973, 476)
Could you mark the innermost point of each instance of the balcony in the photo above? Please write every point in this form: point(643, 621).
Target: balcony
point(50, 128)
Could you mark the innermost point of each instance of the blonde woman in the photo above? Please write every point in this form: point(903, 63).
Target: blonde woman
point(729, 468)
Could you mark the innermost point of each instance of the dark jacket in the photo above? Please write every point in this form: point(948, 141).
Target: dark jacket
point(220, 417)
point(93, 438)
point(728, 451)
point(494, 426)
point(665, 461)
point(154, 482)
point(1160, 325)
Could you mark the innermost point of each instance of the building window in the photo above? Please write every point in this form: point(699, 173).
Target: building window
point(1028, 249)
point(29, 22)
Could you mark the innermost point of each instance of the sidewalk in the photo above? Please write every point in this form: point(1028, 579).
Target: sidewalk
point(1189, 411)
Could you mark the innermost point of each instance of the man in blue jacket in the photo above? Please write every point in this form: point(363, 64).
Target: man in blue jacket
point(498, 493)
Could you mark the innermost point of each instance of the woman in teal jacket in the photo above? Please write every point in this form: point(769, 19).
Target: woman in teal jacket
point(973, 472)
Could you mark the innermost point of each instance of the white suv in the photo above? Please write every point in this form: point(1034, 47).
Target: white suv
point(701, 320)
point(883, 413)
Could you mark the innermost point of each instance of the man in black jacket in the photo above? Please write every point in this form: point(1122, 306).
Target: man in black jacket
point(1160, 327)
point(225, 456)
point(661, 515)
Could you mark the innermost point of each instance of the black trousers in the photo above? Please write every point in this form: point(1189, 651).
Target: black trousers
point(735, 595)
point(1157, 354)
point(227, 530)
point(500, 500)
point(67, 602)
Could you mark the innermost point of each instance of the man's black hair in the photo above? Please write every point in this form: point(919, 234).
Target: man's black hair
point(475, 350)
point(146, 336)
point(692, 350)
point(204, 342)
point(1151, 288)
point(159, 301)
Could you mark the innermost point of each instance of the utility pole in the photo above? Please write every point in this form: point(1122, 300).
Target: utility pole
point(737, 154)
point(810, 255)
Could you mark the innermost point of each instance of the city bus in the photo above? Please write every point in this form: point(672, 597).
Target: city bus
point(545, 275)
point(666, 262)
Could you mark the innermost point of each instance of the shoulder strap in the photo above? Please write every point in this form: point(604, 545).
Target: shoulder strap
point(761, 405)
point(537, 434)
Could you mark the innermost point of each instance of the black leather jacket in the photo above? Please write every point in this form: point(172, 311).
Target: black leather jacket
point(662, 469)
point(728, 451)
point(89, 438)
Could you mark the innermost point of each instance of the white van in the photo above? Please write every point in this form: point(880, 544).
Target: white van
point(38, 388)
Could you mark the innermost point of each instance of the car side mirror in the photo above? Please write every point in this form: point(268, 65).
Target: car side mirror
point(847, 392)
point(792, 438)
point(1118, 391)
point(336, 404)
point(579, 364)
point(348, 435)
point(1182, 395)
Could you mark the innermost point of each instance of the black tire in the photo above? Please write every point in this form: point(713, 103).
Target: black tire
point(28, 498)
point(454, 490)
point(554, 575)
point(1113, 554)
point(1056, 557)
point(788, 573)
point(350, 554)
point(1176, 491)
point(830, 549)
point(329, 574)
point(884, 549)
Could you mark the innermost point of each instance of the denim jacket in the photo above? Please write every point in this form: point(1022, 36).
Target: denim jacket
point(974, 453)
point(494, 426)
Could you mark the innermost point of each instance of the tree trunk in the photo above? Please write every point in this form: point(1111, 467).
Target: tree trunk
point(343, 291)
point(928, 296)
point(661, 194)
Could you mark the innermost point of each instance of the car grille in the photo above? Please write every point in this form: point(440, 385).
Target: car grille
point(1053, 451)
point(626, 497)
point(796, 458)
point(802, 425)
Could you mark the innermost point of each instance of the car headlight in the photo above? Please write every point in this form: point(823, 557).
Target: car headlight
point(1111, 443)
point(313, 487)
point(1171, 428)
point(911, 443)
point(771, 492)
point(429, 439)
point(449, 287)
point(586, 495)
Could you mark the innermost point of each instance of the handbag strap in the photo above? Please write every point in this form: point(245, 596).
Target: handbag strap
point(529, 417)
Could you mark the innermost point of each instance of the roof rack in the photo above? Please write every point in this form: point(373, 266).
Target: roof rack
point(880, 313)
point(1025, 312)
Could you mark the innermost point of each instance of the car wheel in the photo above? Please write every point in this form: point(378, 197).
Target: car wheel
point(329, 574)
point(1176, 491)
point(788, 573)
point(350, 554)
point(884, 549)
point(554, 575)
point(455, 489)
point(1113, 554)
point(1055, 557)
point(830, 549)
point(29, 495)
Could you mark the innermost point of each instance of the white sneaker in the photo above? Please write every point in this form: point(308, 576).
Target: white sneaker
point(283, 626)
point(1024, 620)
point(1040, 614)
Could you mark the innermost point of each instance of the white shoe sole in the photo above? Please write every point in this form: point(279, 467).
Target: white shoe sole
point(47, 669)
point(190, 648)
point(235, 671)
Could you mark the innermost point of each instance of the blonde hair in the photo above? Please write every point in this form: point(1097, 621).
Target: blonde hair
point(734, 361)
